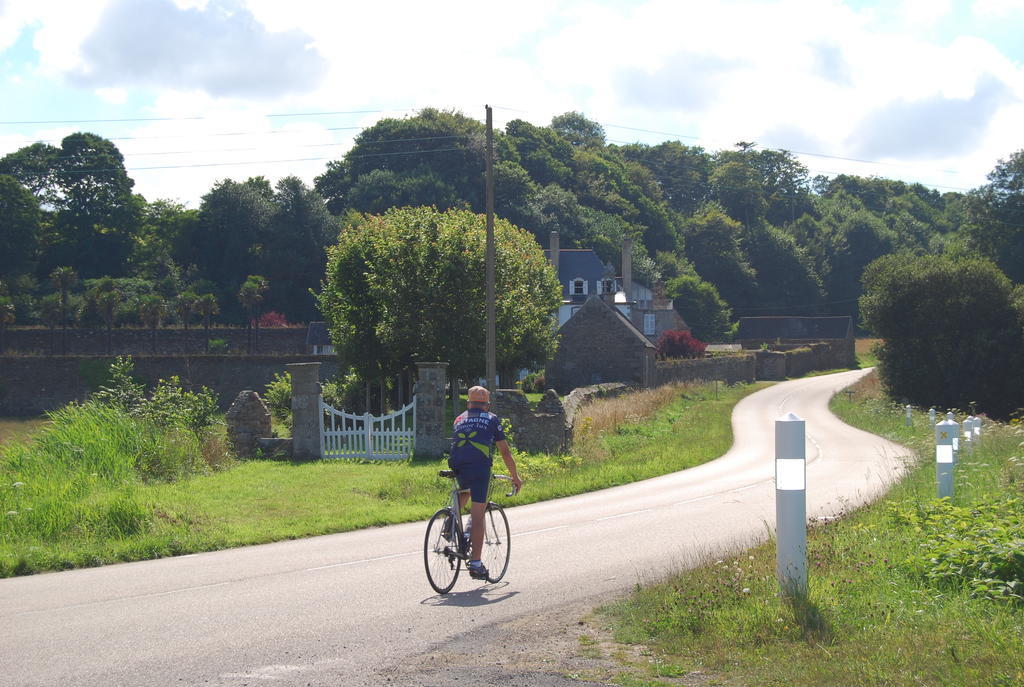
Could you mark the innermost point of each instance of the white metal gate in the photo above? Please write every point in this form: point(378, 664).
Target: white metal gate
point(369, 437)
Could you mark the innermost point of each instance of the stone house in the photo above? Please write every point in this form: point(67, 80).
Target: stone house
point(582, 276)
point(599, 344)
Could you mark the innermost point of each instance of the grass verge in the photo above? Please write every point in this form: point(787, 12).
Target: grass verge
point(908, 591)
point(265, 500)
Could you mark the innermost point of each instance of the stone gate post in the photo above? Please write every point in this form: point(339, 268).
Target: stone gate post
point(305, 409)
point(432, 435)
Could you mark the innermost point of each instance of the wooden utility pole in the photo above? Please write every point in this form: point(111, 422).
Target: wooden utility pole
point(492, 372)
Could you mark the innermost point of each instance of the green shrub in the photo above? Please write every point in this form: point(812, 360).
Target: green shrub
point(168, 405)
point(278, 396)
point(979, 546)
point(218, 346)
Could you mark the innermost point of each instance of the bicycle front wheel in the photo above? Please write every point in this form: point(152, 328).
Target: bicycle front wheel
point(439, 553)
point(497, 542)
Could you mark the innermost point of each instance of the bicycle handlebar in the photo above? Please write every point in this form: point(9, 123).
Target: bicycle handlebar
point(507, 479)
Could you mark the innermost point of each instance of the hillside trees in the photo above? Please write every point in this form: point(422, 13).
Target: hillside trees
point(996, 211)
point(952, 332)
point(19, 227)
point(409, 285)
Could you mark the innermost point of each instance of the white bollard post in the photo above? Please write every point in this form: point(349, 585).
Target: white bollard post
point(956, 437)
point(977, 428)
point(968, 432)
point(945, 434)
point(791, 505)
point(931, 415)
point(910, 416)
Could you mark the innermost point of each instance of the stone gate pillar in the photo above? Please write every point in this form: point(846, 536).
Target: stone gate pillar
point(305, 409)
point(433, 436)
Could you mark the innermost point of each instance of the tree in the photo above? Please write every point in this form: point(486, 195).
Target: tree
point(185, 306)
point(234, 219)
point(7, 317)
point(435, 157)
point(50, 314)
point(996, 217)
point(409, 285)
point(105, 298)
point(152, 309)
point(713, 245)
point(208, 307)
point(250, 295)
point(951, 333)
point(578, 130)
point(681, 172)
point(295, 246)
point(95, 211)
point(19, 227)
point(699, 304)
point(63, 279)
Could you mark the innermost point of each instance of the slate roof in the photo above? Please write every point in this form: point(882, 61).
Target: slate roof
point(316, 335)
point(807, 328)
point(596, 302)
point(578, 262)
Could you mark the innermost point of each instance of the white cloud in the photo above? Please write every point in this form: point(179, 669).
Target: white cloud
point(998, 8)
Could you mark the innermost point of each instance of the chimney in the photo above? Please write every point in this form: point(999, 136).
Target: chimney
point(627, 269)
point(553, 253)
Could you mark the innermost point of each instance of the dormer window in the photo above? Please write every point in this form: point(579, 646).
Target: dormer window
point(578, 287)
point(606, 286)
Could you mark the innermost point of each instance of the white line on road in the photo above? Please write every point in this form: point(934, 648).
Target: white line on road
point(546, 529)
point(623, 515)
point(363, 560)
point(699, 498)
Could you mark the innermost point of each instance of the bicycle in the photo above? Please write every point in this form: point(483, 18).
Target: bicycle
point(446, 546)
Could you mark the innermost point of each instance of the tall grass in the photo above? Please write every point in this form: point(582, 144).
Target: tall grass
point(77, 482)
point(878, 612)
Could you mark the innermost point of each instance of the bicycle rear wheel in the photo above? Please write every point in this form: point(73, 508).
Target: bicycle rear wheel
point(497, 542)
point(439, 553)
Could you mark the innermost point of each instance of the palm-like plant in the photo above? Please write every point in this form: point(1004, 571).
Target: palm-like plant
point(250, 295)
point(62, 279)
point(49, 313)
point(207, 307)
point(151, 309)
point(105, 297)
point(7, 316)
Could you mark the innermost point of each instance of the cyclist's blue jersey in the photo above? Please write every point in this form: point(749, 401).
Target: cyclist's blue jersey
point(473, 436)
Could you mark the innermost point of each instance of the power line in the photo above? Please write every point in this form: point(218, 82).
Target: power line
point(196, 117)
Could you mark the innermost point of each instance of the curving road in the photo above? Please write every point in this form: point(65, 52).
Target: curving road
point(342, 609)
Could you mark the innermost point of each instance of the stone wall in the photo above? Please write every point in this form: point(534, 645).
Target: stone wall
point(771, 365)
point(32, 385)
point(732, 369)
point(543, 431)
point(169, 341)
point(548, 429)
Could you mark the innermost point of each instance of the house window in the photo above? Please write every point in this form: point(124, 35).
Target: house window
point(579, 287)
point(649, 324)
point(606, 286)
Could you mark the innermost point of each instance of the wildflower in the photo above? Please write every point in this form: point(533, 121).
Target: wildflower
point(18, 485)
point(746, 590)
point(12, 512)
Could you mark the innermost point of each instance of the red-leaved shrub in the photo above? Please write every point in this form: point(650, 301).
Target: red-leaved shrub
point(274, 319)
point(677, 343)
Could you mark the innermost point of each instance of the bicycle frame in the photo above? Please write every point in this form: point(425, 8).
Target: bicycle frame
point(456, 531)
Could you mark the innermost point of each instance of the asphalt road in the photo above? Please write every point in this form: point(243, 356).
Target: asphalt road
point(343, 609)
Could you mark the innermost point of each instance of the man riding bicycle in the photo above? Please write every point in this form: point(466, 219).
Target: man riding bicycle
point(475, 434)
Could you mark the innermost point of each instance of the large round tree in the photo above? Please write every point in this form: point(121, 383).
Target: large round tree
point(408, 286)
point(952, 335)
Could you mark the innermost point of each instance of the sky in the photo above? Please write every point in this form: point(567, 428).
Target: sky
point(195, 91)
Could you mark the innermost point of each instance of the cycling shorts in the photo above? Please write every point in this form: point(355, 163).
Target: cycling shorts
point(476, 478)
